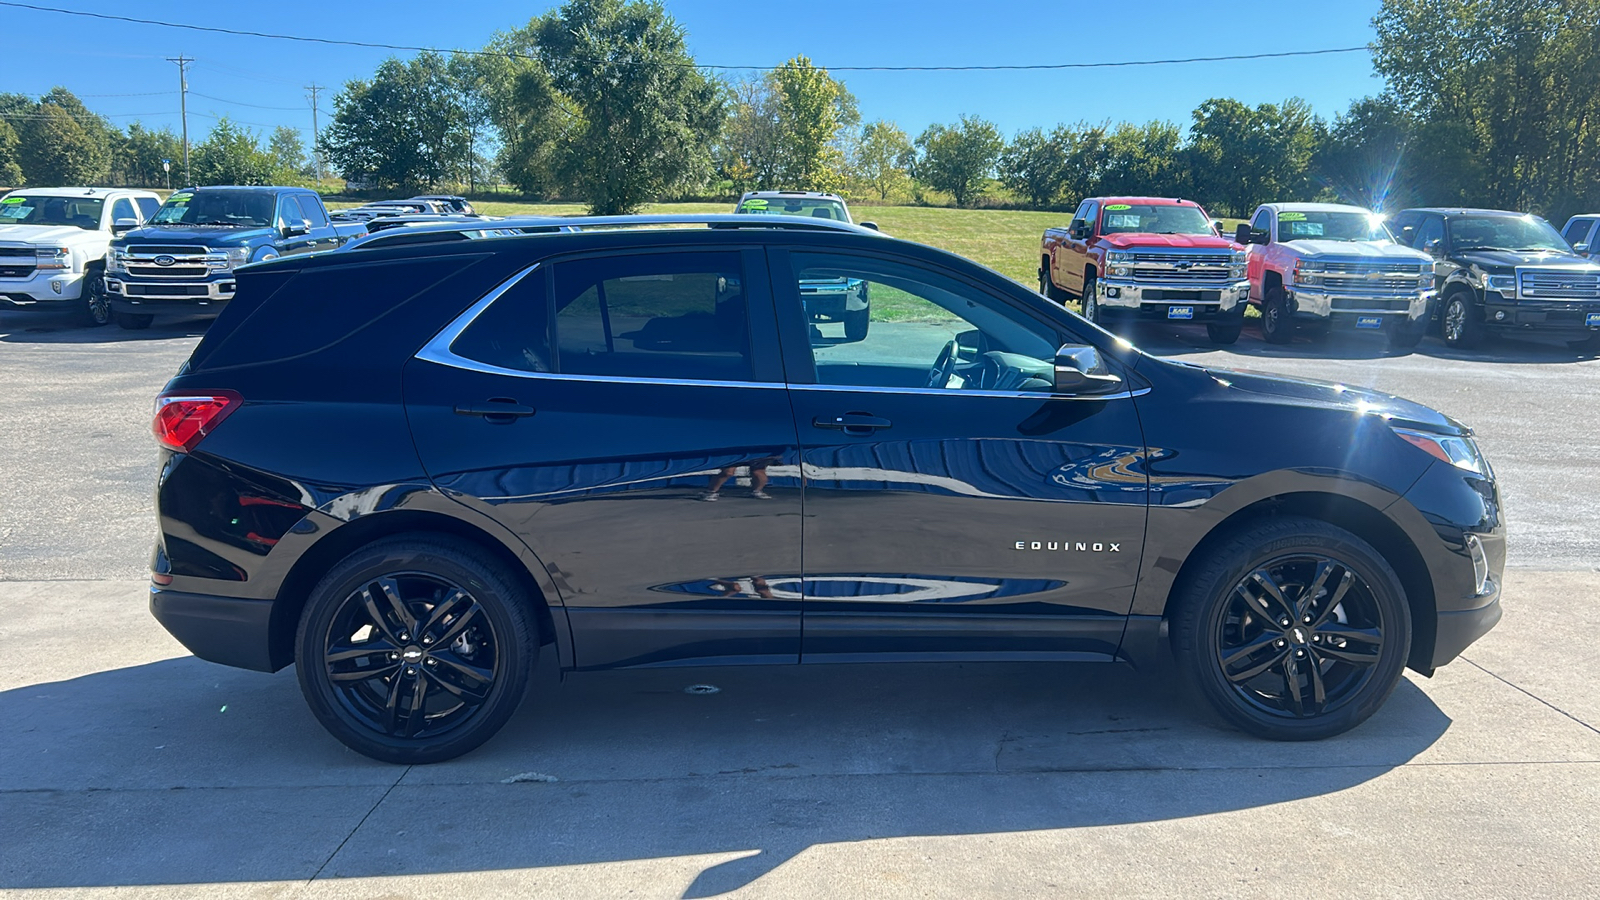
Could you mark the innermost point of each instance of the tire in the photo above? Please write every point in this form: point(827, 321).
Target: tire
point(469, 689)
point(1406, 337)
point(133, 321)
point(856, 324)
point(1277, 316)
point(1271, 691)
point(1090, 303)
point(1224, 332)
point(1459, 323)
point(1047, 288)
point(94, 307)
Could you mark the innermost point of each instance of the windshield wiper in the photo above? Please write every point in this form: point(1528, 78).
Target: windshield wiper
point(1483, 247)
point(220, 222)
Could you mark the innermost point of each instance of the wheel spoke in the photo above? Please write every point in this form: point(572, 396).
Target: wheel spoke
point(480, 677)
point(379, 620)
point(1291, 684)
point(443, 610)
point(474, 697)
point(414, 713)
point(1309, 595)
point(1319, 691)
point(371, 648)
point(1343, 588)
point(1249, 672)
point(1370, 638)
point(358, 675)
point(1271, 596)
point(459, 625)
point(391, 707)
point(403, 616)
point(1247, 650)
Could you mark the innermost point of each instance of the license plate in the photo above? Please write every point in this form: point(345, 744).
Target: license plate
point(1180, 312)
point(1369, 321)
point(1593, 321)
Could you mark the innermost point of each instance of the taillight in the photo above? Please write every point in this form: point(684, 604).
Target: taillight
point(183, 419)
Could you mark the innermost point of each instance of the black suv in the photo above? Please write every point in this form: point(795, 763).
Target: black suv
point(410, 468)
point(1504, 271)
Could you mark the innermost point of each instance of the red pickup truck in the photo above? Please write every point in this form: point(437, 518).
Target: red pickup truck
point(1152, 257)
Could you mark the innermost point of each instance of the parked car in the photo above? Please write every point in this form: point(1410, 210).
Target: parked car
point(368, 211)
point(183, 260)
point(449, 204)
point(1583, 235)
point(826, 299)
point(1150, 257)
point(53, 245)
point(1323, 266)
point(1499, 271)
point(413, 467)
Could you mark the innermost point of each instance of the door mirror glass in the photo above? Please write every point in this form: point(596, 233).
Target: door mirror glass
point(1081, 370)
point(872, 225)
point(1242, 234)
point(295, 229)
point(1581, 247)
point(1433, 246)
point(1080, 229)
point(121, 225)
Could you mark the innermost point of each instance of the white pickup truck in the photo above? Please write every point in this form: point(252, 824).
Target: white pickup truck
point(53, 244)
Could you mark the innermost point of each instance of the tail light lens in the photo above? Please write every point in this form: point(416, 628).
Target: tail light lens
point(183, 419)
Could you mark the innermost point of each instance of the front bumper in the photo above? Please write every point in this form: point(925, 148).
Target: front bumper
point(1347, 308)
point(147, 296)
point(41, 290)
point(223, 630)
point(1569, 316)
point(1207, 298)
point(1457, 629)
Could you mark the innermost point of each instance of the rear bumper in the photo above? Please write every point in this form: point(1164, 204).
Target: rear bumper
point(223, 630)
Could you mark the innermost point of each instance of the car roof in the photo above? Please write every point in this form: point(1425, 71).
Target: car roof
point(99, 192)
point(540, 226)
point(1146, 201)
point(1315, 207)
point(818, 195)
point(1466, 211)
point(436, 197)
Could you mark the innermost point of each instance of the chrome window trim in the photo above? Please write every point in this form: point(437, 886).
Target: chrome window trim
point(946, 392)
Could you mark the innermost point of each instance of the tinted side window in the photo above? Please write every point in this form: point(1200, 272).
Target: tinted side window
point(289, 212)
point(1262, 221)
point(514, 332)
point(147, 206)
point(1092, 214)
point(122, 209)
point(1432, 229)
point(1577, 230)
point(312, 208)
point(1404, 227)
point(1083, 211)
point(679, 315)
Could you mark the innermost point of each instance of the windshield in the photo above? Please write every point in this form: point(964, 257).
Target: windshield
point(1139, 218)
point(1504, 233)
point(795, 206)
point(1295, 225)
point(240, 209)
point(23, 209)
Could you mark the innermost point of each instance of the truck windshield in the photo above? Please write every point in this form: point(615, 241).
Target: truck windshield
point(240, 209)
point(1319, 225)
point(795, 206)
point(1504, 233)
point(1138, 218)
point(25, 209)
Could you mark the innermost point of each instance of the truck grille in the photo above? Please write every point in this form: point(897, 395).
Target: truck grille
point(1181, 268)
point(181, 262)
point(15, 271)
point(16, 251)
point(1558, 285)
point(166, 271)
point(1378, 278)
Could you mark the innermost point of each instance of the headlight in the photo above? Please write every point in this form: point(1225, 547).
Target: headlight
point(1458, 451)
point(1502, 283)
point(1308, 271)
point(1240, 257)
point(1119, 257)
point(52, 258)
point(1121, 271)
point(117, 259)
point(238, 256)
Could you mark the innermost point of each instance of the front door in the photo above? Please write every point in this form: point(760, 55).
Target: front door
point(955, 506)
point(625, 414)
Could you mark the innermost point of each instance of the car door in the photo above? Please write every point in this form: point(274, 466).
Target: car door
point(955, 506)
point(1577, 233)
point(625, 414)
point(290, 214)
point(1257, 253)
point(1077, 249)
point(323, 236)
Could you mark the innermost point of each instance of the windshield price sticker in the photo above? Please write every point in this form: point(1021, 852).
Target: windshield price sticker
point(1291, 217)
point(1115, 206)
point(179, 198)
point(10, 200)
point(16, 212)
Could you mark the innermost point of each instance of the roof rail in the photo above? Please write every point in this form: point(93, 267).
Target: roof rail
point(545, 224)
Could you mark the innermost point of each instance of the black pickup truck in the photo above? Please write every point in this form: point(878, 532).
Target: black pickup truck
point(1505, 272)
point(182, 261)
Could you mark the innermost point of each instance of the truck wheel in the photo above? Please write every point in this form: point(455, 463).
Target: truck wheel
point(856, 323)
point(94, 308)
point(133, 321)
point(1091, 303)
point(1406, 335)
point(1277, 318)
point(1293, 629)
point(1460, 323)
point(1224, 332)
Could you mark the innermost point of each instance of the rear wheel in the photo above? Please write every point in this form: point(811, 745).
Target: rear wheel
point(415, 649)
point(1277, 316)
point(133, 321)
point(94, 308)
point(1459, 322)
point(1047, 287)
point(1293, 629)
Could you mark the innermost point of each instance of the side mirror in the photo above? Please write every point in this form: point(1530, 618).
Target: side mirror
point(1080, 370)
point(1216, 225)
point(1581, 247)
point(295, 229)
point(118, 226)
point(1433, 246)
point(872, 225)
point(1079, 229)
point(1242, 234)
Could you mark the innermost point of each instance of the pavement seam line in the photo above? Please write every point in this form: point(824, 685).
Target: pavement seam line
point(1518, 687)
point(315, 875)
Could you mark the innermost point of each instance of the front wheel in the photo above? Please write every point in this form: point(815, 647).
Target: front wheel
point(133, 321)
point(1277, 316)
point(1293, 629)
point(415, 649)
point(94, 307)
point(1459, 323)
point(1091, 303)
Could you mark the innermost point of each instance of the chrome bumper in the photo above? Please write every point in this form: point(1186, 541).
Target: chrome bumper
point(1312, 302)
point(44, 286)
point(134, 291)
point(1119, 294)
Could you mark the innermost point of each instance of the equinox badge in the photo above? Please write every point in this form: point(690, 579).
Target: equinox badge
point(1075, 546)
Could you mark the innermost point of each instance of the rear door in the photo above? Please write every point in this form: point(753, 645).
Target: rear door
point(625, 414)
point(955, 507)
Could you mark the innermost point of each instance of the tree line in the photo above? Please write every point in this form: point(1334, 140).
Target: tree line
point(1486, 102)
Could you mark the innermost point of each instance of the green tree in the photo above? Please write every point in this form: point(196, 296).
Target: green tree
point(1241, 156)
point(231, 155)
point(10, 167)
point(103, 137)
point(57, 151)
point(883, 155)
point(750, 152)
point(1143, 159)
point(288, 152)
point(639, 118)
point(404, 128)
point(811, 110)
point(1034, 165)
point(959, 159)
point(143, 150)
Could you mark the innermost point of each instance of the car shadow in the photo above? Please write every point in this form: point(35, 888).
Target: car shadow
point(181, 772)
point(62, 328)
point(1162, 339)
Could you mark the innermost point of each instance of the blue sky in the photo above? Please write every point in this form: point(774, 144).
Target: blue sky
point(96, 58)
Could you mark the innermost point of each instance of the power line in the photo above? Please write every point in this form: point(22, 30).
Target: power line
point(510, 55)
point(242, 103)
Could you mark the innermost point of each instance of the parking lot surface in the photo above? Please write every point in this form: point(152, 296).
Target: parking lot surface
point(128, 768)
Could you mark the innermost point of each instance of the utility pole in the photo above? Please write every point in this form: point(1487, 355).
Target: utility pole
point(316, 160)
point(183, 107)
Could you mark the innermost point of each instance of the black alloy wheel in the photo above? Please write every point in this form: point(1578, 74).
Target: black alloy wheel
point(1294, 630)
point(1277, 317)
point(94, 307)
point(415, 650)
point(1459, 322)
